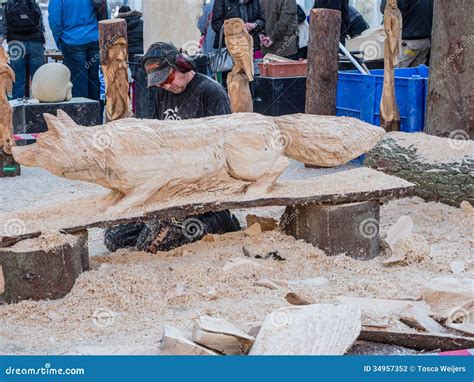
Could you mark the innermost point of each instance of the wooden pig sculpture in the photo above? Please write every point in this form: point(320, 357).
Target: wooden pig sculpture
point(144, 160)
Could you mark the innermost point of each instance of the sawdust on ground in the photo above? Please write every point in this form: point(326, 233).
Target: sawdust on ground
point(128, 296)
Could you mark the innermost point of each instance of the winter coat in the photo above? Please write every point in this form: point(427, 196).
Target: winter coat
point(281, 25)
point(249, 11)
point(338, 5)
point(417, 18)
point(134, 31)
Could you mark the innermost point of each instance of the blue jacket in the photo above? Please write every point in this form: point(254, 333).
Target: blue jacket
point(73, 22)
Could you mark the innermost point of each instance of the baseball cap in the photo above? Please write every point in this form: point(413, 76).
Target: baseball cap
point(158, 62)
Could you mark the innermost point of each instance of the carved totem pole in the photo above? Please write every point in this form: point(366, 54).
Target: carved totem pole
point(114, 62)
point(389, 113)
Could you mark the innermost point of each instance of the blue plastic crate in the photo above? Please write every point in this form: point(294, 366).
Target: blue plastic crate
point(359, 96)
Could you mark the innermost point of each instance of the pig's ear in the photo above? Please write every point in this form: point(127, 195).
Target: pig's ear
point(25, 155)
point(66, 120)
point(55, 127)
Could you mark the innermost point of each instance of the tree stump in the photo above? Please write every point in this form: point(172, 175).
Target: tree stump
point(42, 268)
point(352, 229)
point(114, 61)
point(389, 112)
point(449, 111)
point(441, 168)
point(323, 57)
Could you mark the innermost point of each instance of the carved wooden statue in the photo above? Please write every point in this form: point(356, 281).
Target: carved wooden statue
point(240, 46)
point(8, 166)
point(114, 61)
point(144, 160)
point(389, 113)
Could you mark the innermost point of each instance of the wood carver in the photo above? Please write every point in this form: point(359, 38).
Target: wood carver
point(8, 166)
point(114, 61)
point(240, 46)
point(144, 160)
point(389, 113)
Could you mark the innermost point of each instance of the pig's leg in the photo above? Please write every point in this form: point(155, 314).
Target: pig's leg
point(139, 195)
point(265, 183)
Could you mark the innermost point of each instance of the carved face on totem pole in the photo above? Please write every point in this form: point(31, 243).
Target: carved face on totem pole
point(116, 79)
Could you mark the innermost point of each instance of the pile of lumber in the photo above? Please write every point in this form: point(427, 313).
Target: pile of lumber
point(441, 321)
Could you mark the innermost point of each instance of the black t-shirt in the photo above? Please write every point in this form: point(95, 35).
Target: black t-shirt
point(203, 97)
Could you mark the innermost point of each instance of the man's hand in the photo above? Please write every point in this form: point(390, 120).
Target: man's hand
point(250, 26)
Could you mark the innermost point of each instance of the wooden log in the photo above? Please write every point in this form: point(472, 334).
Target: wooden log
point(309, 330)
point(449, 109)
point(441, 168)
point(352, 229)
point(323, 57)
point(389, 112)
point(418, 341)
point(355, 185)
point(8, 166)
point(114, 60)
point(220, 335)
point(240, 46)
point(43, 268)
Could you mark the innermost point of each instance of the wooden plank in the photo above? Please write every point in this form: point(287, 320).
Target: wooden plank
point(418, 341)
point(346, 186)
point(386, 305)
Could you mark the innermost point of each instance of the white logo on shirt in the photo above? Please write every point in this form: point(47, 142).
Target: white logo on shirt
point(171, 114)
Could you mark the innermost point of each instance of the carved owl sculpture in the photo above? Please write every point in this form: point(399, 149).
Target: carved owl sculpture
point(240, 46)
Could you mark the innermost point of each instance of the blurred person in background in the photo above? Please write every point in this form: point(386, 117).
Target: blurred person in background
point(338, 5)
point(134, 30)
point(22, 25)
point(75, 28)
point(281, 28)
point(249, 11)
point(357, 23)
point(416, 34)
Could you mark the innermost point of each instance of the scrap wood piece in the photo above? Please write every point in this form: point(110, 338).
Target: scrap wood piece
point(271, 283)
point(450, 298)
point(417, 340)
point(294, 299)
point(386, 305)
point(320, 329)
point(220, 335)
point(266, 224)
point(78, 214)
point(466, 329)
point(418, 319)
point(176, 342)
point(389, 112)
